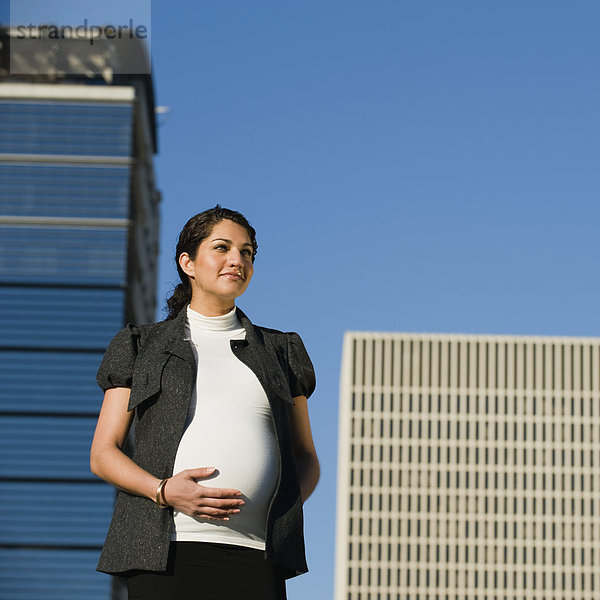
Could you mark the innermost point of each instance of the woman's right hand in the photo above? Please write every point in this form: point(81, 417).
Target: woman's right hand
point(184, 494)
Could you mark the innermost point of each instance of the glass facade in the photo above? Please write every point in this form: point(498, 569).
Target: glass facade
point(67, 213)
point(60, 190)
point(66, 128)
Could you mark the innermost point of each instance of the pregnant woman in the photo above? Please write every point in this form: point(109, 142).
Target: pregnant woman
point(210, 502)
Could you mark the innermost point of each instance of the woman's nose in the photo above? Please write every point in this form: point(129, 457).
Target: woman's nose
point(235, 258)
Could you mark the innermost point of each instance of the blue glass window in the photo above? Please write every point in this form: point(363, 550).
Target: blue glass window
point(64, 191)
point(63, 255)
point(38, 447)
point(49, 382)
point(65, 128)
point(77, 514)
point(66, 318)
point(58, 575)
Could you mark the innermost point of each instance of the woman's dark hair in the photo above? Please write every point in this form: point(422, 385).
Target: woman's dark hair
point(196, 230)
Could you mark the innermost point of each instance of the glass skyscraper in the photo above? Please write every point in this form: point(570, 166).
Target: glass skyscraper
point(78, 252)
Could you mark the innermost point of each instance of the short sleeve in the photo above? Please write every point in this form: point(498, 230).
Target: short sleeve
point(116, 368)
point(300, 368)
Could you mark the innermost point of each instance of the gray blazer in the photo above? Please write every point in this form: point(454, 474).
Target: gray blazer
point(158, 364)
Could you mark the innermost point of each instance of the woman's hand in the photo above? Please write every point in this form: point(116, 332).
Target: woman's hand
point(185, 495)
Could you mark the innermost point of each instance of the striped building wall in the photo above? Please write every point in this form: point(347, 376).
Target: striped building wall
point(469, 468)
point(73, 217)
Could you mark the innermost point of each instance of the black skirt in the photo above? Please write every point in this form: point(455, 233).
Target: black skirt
point(207, 571)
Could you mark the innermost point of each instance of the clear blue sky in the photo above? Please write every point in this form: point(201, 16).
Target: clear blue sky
point(425, 166)
point(409, 166)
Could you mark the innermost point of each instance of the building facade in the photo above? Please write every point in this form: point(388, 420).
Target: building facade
point(469, 468)
point(78, 253)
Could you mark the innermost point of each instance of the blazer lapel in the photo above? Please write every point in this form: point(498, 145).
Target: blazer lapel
point(253, 352)
point(147, 378)
point(177, 342)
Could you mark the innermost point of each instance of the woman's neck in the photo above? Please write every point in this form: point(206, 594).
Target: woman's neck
point(211, 309)
point(199, 323)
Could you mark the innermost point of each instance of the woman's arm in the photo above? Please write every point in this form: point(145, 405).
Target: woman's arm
point(307, 462)
point(182, 492)
point(107, 459)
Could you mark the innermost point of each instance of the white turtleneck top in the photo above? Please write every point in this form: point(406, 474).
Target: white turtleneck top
point(229, 426)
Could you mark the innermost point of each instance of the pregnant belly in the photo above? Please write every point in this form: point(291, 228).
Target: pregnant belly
point(246, 459)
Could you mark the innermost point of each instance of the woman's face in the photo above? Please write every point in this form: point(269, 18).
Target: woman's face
point(223, 266)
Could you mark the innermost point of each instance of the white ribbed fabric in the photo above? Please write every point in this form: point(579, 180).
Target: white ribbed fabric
point(229, 427)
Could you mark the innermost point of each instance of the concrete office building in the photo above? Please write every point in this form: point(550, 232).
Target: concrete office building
point(78, 255)
point(469, 468)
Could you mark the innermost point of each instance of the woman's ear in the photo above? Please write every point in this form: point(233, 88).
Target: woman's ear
point(187, 264)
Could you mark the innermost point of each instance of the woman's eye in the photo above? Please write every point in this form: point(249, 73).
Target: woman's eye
point(221, 247)
point(247, 252)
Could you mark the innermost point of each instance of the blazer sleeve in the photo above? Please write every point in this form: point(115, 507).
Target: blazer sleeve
point(116, 368)
point(301, 373)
